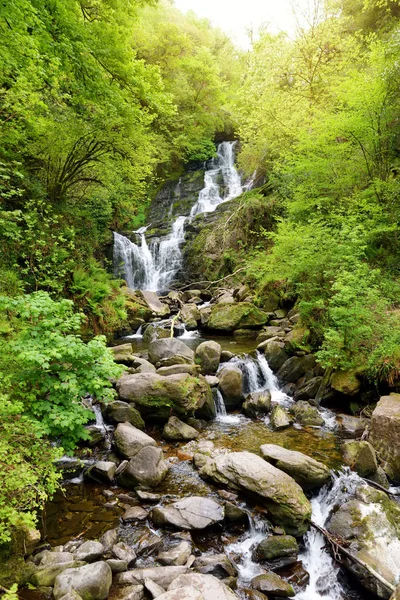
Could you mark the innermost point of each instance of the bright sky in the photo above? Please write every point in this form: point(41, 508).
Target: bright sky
point(235, 16)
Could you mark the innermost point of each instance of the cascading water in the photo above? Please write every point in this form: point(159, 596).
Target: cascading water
point(241, 552)
point(154, 266)
point(324, 584)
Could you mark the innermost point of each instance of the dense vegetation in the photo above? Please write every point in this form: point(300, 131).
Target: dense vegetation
point(101, 102)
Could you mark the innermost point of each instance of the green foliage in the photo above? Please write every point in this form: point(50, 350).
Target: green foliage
point(50, 369)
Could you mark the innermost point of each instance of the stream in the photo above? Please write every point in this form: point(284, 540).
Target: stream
point(87, 509)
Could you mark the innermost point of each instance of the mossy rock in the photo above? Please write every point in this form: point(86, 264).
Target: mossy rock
point(242, 315)
point(346, 382)
point(277, 547)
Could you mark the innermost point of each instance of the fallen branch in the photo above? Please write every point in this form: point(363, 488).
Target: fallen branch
point(380, 487)
point(338, 549)
point(210, 283)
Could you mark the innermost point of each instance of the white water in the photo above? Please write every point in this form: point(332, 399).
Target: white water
point(244, 547)
point(189, 335)
point(322, 569)
point(153, 267)
point(223, 167)
point(220, 411)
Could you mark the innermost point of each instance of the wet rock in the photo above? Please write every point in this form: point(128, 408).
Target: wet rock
point(346, 382)
point(210, 588)
point(190, 315)
point(153, 333)
point(170, 351)
point(385, 434)
point(194, 512)
point(130, 440)
point(116, 565)
point(51, 558)
point(307, 415)
point(231, 386)
point(306, 471)
point(134, 513)
point(217, 565)
point(109, 539)
point(155, 395)
point(208, 354)
point(163, 576)
point(147, 496)
point(309, 390)
point(96, 436)
point(90, 551)
point(271, 583)
point(295, 367)
point(147, 468)
point(235, 514)
point(141, 365)
point(212, 380)
point(91, 582)
point(352, 425)
point(46, 575)
point(380, 478)
point(274, 353)
point(131, 592)
point(153, 588)
point(124, 552)
point(278, 492)
point(121, 412)
point(226, 356)
point(240, 315)
point(177, 430)
point(257, 403)
point(153, 302)
point(279, 418)
point(361, 457)
point(123, 354)
point(102, 471)
point(144, 541)
point(277, 546)
point(177, 555)
point(178, 369)
point(370, 522)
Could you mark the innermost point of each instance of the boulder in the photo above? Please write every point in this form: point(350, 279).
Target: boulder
point(154, 304)
point(271, 583)
point(385, 433)
point(163, 576)
point(147, 468)
point(154, 332)
point(90, 551)
point(218, 565)
point(141, 365)
point(116, 565)
point(210, 588)
point(370, 523)
point(345, 382)
point(130, 440)
point(208, 354)
point(279, 418)
point(190, 315)
point(170, 351)
point(124, 552)
point(178, 430)
point(134, 513)
point(309, 390)
point(102, 471)
point(178, 369)
point(109, 539)
point(257, 403)
point(123, 354)
point(352, 425)
point(121, 412)
point(194, 512)
point(277, 546)
point(307, 415)
point(274, 353)
point(295, 367)
point(155, 395)
point(278, 492)
point(144, 541)
point(231, 386)
point(306, 471)
point(177, 555)
point(45, 575)
point(361, 457)
point(240, 315)
point(91, 582)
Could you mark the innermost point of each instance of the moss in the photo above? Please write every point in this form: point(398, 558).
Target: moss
point(242, 315)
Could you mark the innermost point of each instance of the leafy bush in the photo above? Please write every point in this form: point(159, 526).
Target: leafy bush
point(50, 368)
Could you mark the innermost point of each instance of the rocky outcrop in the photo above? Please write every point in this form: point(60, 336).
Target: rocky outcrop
point(155, 395)
point(130, 440)
point(194, 512)
point(385, 433)
point(91, 582)
point(279, 493)
point(239, 315)
point(208, 354)
point(306, 471)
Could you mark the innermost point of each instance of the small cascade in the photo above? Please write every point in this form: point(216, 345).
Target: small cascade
point(220, 410)
point(241, 552)
point(317, 561)
point(223, 171)
point(136, 336)
point(189, 335)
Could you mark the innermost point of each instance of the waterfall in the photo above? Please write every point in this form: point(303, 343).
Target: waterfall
point(153, 266)
point(243, 550)
point(323, 584)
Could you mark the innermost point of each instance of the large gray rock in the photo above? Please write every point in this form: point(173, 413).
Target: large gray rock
point(178, 430)
point(122, 412)
point(153, 302)
point(45, 575)
point(279, 493)
point(177, 555)
point(178, 369)
point(155, 395)
point(385, 433)
point(163, 576)
point(102, 471)
point(231, 386)
point(147, 468)
point(90, 551)
point(307, 415)
point(194, 512)
point(295, 367)
point(257, 403)
point(370, 523)
point(208, 354)
point(271, 583)
point(170, 351)
point(279, 418)
point(91, 582)
point(130, 440)
point(309, 390)
point(361, 457)
point(190, 315)
point(239, 315)
point(123, 354)
point(275, 354)
point(308, 473)
point(210, 588)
